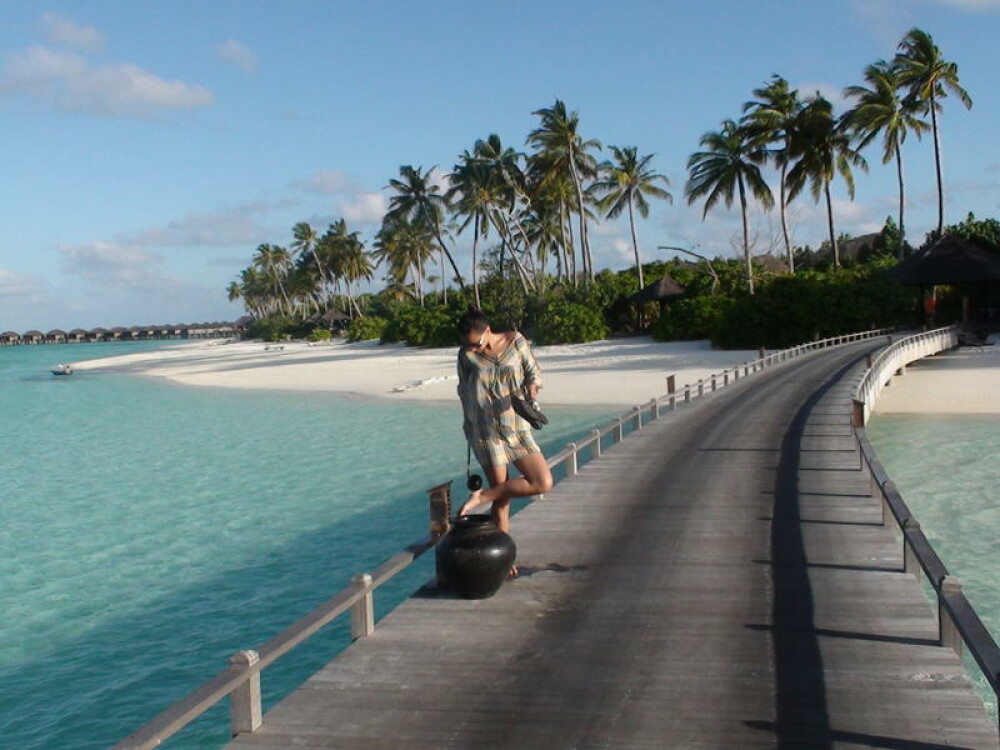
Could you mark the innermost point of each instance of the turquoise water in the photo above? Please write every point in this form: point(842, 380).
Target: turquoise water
point(946, 469)
point(149, 531)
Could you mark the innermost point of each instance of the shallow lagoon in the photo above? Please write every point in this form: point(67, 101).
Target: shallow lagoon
point(151, 530)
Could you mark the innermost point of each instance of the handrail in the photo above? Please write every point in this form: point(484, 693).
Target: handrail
point(958, 621)
point(241, 679)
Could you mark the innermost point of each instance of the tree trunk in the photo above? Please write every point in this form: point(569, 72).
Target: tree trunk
point(829, 221)
point(746, 234)
point(475, 259)
point(458, 274)
point(444, 285)
point(782, 197)
point(420, 280)
point(937, 165)
point(588, 262)
point(635, 246)
point(567, 224)
point(902, 199)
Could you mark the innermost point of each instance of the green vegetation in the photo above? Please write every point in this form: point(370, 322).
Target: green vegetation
point(528, 217)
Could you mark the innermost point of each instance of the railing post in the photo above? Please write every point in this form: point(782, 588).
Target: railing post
point(947, 632)
point(725, 378)
point(573, 466)
point(671, 385)
point(701, 388)
point(687, 394)
point(746, 370)
point(637, 418)
point(245, 712)
point(761, 353)
point(440, 509)
point(713, 382)
point(363, 610)
point(654, 409)
point(910, 562)
point(857, 413)
point(597, 443)
point(619, 430)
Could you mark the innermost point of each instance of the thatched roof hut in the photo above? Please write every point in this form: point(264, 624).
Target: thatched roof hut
point(950, 260)
point(661, 290)
point(76, 335)
point(9, 337)
point(55, 336)
point(32, 337)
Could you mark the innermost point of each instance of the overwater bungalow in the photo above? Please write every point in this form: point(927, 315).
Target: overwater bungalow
point(10, 338)
point(76, 336)
point(55, 336)
point(32, 337)
point(98, 334)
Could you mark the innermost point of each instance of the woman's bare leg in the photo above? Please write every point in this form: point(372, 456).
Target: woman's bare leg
point(536, 479)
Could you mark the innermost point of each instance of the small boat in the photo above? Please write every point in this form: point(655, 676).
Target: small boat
point(62, 369)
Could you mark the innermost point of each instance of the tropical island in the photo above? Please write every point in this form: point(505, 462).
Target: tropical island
point(529, 215)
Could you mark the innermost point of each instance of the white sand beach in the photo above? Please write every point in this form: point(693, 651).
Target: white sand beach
point(620, 372)
point(962, 381)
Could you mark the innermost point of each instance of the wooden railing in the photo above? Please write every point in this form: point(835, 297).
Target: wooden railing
point(893, 361)
point(241, 678)
point(958, 622)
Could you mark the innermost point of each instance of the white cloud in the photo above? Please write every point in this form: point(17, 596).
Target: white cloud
point(238, 54)
point(365, 208)
point(19, 290)
point(225, 227)
point(327, 182)
point(108, 263)
point(973, 5)
point(70, 82)
point(63, 31)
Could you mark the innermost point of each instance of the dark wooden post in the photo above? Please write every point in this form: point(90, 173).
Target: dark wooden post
point(440, 509)
point(858, 413)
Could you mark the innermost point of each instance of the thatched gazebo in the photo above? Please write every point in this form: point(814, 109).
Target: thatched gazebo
point(662, 290)
point(955, 260)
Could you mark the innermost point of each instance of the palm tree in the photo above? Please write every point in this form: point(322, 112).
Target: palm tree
point(420, 202)
point(928, 78)
point(304, 244)
point(470, 198)
point(404, 248)
point(770, 118)
point(563, 151)
point(275, 262)
point(822, 147)
point(625, 184)
point(727, 165)
point(880, 109)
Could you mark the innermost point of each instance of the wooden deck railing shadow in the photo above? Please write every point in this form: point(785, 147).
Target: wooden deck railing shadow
point(958, 622)
point(241, 680)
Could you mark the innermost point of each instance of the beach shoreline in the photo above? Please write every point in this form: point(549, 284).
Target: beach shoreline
point(612, 373)
point(617, 373)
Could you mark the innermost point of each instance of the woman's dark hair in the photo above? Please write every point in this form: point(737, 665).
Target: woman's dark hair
point(474, 320)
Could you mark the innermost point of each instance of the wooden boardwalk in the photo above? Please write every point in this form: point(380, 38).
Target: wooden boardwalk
point(719, 580)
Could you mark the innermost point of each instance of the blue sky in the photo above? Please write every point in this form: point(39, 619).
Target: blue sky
point(151, 146)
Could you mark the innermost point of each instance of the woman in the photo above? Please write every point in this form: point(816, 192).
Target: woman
point(492, 367)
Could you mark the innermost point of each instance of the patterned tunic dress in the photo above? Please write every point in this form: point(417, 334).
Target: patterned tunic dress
point(497, 434)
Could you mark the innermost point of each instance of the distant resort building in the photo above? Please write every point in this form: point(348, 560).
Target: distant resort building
point(215, 330)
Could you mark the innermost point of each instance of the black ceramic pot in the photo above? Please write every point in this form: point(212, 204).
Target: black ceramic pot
point(474, 558)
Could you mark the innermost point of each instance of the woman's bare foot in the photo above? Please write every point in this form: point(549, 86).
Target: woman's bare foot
point(474, 501)
point(513, 572)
